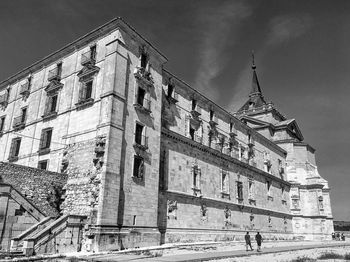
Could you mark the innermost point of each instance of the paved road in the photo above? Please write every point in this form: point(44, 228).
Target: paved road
point(207, 255)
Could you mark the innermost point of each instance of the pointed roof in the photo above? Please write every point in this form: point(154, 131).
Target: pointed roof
point(256, 98)
point(256, 90)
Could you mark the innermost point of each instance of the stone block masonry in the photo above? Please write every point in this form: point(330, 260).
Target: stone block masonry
point(43, 188)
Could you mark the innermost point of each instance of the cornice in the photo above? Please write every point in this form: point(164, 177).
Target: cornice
point(243, 207)
point(229, 115)
point(73, 46)
point(175, 136)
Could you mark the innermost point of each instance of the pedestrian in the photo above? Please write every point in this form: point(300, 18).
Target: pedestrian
point(342, 237)
point(333, 236)
point(258, 239)
point(247, 241)
point(337, 236)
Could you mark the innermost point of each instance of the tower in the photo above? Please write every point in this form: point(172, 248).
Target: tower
point(310, 199)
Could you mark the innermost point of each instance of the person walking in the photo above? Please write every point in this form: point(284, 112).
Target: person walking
point(258, 239)
point(247, 241)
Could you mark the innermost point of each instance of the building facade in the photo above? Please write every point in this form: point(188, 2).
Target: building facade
point(149, 159)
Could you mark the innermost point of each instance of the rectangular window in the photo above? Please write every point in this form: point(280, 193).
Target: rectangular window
point(45, 140)
point(194, 104)
point(144, 60)
point(85, 91)
point(53, 103)
point(23, 114)
point(59, 69)
point(239, 186)
point(14, 150)
point(268, 187)
point(170, 90)
point(93, 52)
point(320, 202)
point(211, 112)
point(2, 123)
point(192, 133)
point(43, 164)
point(251, 189)
point(141, 96)
point(138, 171)
point(196, 177)
point(138, 134)
point(225, 182)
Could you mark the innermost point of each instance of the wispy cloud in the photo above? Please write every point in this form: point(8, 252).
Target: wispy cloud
point(221, 22)
point(287, 27)
point(281, 29)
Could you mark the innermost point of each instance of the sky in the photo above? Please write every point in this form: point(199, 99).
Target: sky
point(302, 53)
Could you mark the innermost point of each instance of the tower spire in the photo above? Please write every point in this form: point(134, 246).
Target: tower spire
point(256, 90)
point(253, 61)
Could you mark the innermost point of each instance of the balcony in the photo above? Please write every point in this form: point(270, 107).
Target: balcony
point(214, 121)
point(173, 98)
point(233, 133)
point(88, 58)
point(143, 105)
point(25, 89)
point(251, 143)
point(18, 122)
point(141, 142)
point(143, 76)
point(198, 139)
point(3, 99)
point(54, 74)
point(294, 196)
point(44, 151)
point(49, 115)
point(195, 113)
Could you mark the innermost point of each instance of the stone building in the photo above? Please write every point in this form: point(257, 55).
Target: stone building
point(309, 192)
point(149, 159)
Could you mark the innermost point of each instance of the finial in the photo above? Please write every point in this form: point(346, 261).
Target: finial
point(253, 64)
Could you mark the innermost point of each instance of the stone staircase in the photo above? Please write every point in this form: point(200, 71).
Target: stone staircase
point(17, 242)
point(51, 236)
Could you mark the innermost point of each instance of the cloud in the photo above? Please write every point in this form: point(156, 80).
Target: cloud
point(281, 29)
point(287, 27)
point(219, 22)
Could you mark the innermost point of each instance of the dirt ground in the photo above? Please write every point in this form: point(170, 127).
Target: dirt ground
point(290, 256)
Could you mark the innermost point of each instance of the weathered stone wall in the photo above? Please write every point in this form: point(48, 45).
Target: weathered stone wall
point(188, 209)
point(14, 220)
point(43, 188)
point(84, 176)
point(177, 118)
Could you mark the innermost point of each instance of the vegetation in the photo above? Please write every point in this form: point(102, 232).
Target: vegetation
point(303, 259)
point(330, 255)
point(347, 256)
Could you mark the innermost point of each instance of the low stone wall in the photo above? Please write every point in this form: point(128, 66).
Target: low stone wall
point(40, 187)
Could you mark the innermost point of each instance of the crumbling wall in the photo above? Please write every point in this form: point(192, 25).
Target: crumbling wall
point(83, 162)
